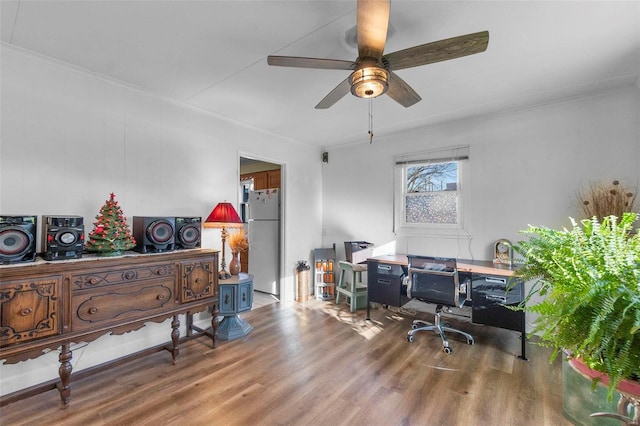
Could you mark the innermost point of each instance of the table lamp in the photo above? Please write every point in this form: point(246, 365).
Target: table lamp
point(223, 216)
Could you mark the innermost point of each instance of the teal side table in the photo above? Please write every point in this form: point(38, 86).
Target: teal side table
point(236, 296)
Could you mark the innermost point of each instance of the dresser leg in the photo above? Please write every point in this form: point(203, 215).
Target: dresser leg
point(214, 325)
point(65, 374)
point(175, 337)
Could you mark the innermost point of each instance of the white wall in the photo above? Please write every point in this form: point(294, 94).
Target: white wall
point(69, 139)
point(526, 168)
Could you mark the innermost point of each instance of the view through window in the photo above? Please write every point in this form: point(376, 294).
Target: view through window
point(432, 193)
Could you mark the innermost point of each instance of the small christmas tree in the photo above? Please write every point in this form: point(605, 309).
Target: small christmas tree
point(111, 235)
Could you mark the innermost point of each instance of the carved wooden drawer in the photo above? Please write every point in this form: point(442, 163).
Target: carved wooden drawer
point(29, 309)
point(100, 278)
point(197, 280)
point(116, 304)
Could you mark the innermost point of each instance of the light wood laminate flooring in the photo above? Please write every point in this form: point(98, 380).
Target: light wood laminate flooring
point(315, 363)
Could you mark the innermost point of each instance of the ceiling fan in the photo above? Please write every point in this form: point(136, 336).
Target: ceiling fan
point(373, 71)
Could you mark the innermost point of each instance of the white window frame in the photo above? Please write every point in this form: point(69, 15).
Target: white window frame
point(459, 154)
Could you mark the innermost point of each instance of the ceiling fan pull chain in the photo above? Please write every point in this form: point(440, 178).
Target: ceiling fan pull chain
point(370, 120)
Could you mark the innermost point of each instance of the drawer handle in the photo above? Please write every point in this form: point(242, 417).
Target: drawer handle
point(198, 280)
point(226, 299)
point(496, 280)
point(93, 280)
point(386, 282)
point(129, 275)
point(26, 311)
point(93, 311)
point(498, 298)
point(160, 296)
point(244, 297)
point(384, 267)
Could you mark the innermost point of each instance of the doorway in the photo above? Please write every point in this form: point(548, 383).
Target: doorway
point(260, 207)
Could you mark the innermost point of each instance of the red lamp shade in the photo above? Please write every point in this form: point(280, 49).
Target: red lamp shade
point(223, 216)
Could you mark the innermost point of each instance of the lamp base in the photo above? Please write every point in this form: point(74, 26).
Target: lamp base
point(223, 275)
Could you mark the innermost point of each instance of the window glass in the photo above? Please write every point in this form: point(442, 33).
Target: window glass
point(431, 193)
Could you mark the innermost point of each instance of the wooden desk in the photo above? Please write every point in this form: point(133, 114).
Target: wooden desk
point(489, 298)
point(464, 265)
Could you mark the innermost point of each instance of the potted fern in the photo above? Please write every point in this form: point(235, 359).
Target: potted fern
point(585, 289)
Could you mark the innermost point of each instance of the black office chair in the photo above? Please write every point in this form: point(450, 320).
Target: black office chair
point(435, 280)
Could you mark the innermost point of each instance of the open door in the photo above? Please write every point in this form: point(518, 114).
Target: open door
point(260, 208)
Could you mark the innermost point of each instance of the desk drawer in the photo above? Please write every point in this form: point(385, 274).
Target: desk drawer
point(490, 296)
point(387, 290)
point(118, 304)
point(130, 275)
point(29, 309)
point(387, 269)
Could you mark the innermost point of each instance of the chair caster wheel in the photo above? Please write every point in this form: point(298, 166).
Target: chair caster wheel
point(447, 350)
point(410, 338)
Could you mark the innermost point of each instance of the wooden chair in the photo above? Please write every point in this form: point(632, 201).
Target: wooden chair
point(351, 285)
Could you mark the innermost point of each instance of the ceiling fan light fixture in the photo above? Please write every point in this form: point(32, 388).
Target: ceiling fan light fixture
point(369, 82)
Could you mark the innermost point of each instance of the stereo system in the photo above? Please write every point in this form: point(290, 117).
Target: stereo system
point(18, 239)
point(62, 237)
point(187, 233)
point(154, 234)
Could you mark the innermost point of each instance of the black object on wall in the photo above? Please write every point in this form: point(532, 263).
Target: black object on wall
point(154, 234)
point(18, 238)
point(62, 237)
point(187, 234)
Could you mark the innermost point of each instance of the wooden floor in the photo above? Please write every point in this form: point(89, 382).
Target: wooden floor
point(314, 363)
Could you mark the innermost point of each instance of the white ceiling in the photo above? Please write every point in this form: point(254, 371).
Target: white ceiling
point(212, 55)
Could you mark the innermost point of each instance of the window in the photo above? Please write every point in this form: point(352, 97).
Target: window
point(431, 193)
point(428, 190)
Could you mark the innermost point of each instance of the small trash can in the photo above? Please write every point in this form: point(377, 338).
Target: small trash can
point(302, 278)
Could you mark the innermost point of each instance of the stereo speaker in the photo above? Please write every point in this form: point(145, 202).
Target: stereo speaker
point(18, 238)
point(62, 237)
point(154, 234)
point(188, 232)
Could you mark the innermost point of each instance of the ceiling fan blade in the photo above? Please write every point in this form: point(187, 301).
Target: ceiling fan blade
point(318, 63)
point(372, 25)
point(401, 92)
point(437, 51)
point(335, 95)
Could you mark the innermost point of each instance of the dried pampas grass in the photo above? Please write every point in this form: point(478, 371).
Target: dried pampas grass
point(238, 241)
point(601, 200)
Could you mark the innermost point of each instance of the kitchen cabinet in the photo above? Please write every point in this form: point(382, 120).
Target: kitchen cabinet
point(263, 180)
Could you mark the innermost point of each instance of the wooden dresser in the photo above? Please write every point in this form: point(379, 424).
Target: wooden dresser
point(50, 305)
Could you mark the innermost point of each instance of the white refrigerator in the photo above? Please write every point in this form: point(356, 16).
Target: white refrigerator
point(264, 239)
